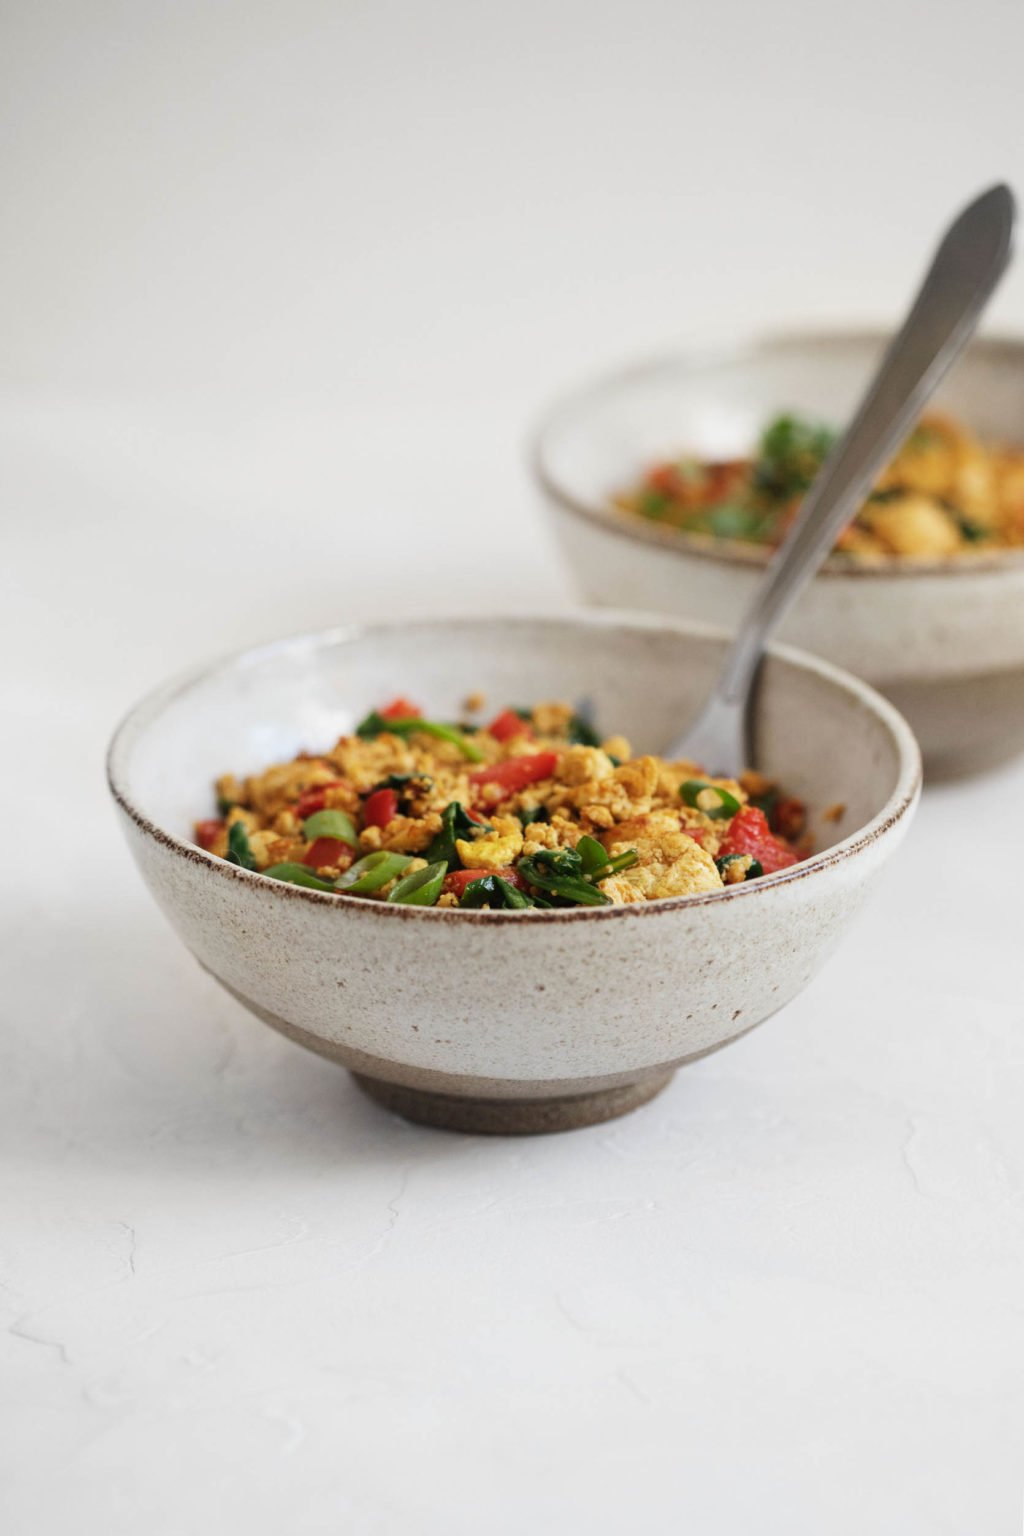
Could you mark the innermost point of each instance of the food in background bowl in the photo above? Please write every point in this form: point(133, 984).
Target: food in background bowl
point(475, 1019)
point(944, 494)
point(532, 811)
point(942, 637)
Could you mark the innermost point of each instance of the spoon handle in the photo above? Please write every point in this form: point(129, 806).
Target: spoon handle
point(966, 268)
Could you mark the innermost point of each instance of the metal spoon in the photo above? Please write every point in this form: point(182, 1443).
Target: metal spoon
point(968, 264)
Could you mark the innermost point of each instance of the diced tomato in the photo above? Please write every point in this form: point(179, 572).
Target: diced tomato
point(749, 832)
point(664, 478)
point(207, 833)
point(458, 879)
point(313, 800)
point(328, 850)
point(695, 832)
point(516, 772)
point(380, 808)
point(508, 725)
point(400, 709)
point(790, 816)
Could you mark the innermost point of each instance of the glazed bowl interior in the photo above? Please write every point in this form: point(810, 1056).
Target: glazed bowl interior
point(601, 439)
point(828, 738)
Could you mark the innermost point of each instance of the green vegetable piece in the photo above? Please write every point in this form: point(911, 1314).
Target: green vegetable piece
point(375, 725)
point(623, 861)
point(493, 891)
point(555, 875)
point(727, 805)
point(560, 861)
point(422, 887)
point(792, 450)
point(298, 874)
point(974, 533)
point(401, 781)
point(370, 873)
point(535, 813)
point(592, 855)
point(330, 824)
point(768, 804)
point(738, 520)
point(754, 872)
point(455, 823)
point(653, 504)
point(224, 804)
point(580, 731)
point(239, 849)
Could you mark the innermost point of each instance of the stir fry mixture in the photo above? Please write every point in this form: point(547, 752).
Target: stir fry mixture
point(944, 494)
point(532, 810)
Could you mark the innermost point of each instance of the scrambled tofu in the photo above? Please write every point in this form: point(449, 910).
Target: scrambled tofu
point(528, 811)
point(944, 495)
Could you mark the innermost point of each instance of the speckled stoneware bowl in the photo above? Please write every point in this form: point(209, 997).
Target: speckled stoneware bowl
point(943, 640)
point(498, 1021)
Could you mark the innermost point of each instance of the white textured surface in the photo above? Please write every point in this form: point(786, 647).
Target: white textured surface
point(286, 286)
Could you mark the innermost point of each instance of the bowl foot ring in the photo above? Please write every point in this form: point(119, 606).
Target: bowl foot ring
point(513, 1117)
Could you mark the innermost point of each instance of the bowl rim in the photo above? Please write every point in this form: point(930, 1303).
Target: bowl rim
point(148, 709)
point(737, 552)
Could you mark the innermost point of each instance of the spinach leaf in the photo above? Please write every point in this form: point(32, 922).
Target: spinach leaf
point(494, 892)
point(791, 452)
point(455, 823)
point(239, 849)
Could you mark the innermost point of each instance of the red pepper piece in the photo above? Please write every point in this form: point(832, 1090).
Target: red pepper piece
point(508, 725)
point(458, 879)
point(380, 808)
point(207, 833)
point(328, 850)
point(749, 832)
point(313, 800)
point(516, 772)
point(400, 709)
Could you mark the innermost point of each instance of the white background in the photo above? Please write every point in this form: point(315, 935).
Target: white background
point(281, 287)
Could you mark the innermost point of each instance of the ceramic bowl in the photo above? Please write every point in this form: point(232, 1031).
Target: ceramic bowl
point(943, 640)
point(498, 1021)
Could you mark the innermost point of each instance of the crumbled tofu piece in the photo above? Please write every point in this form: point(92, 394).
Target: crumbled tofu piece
point(497, 849)
point(913, 525)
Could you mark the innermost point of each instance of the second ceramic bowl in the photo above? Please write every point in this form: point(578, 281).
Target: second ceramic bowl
point(944, 641)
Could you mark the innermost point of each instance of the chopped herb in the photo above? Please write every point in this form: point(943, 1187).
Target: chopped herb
point(239, 848)
point(224, 804)
point(791, 452)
